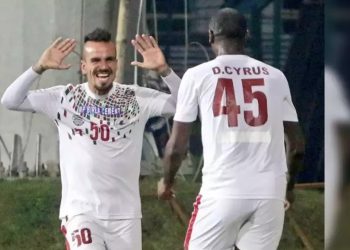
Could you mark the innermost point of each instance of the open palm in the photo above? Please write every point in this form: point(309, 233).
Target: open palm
point(153, 57)
point(53, 56)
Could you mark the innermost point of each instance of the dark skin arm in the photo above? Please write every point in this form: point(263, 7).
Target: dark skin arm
point(295, 150)
point(175, 152)
point(177, 146)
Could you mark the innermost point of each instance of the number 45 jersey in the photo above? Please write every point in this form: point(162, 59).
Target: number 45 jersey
point(242, 103)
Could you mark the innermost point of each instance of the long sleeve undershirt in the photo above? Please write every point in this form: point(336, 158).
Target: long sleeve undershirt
point(18, 95)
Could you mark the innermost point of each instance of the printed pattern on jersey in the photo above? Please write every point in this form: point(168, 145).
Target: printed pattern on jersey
point(102, 119)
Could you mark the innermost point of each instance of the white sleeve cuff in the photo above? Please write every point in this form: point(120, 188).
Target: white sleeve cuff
point(172, 77)
point(31, 74)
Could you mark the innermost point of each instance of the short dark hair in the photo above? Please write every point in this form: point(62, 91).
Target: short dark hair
point(229, 23)
point(98, 35)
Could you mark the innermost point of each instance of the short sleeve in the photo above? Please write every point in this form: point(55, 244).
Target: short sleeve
point(187, 101)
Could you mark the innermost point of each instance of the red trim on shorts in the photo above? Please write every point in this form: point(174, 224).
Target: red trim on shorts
point(64, 232)
point(192, 220)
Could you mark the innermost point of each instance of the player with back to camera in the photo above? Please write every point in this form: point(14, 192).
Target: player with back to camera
point(246, 109)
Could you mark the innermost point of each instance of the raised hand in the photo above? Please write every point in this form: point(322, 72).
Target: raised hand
point(153, 57)
point(53, 56)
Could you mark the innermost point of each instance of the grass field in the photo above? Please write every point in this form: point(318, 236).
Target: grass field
point(29, 211)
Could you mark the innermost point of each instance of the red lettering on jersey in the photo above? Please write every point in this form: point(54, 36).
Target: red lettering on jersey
point(237, 70)
point(232, 109)
point(246, 71)
point(265, 71)
point(256, 70)
point(249, 95)
point(82, 236)
point(94, 131)
point(216, 70)
point(79, 131)
point(228, 70)
point(102, 132)
point(86, 236)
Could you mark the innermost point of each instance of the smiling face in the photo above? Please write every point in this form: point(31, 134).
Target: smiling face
point(99, 64)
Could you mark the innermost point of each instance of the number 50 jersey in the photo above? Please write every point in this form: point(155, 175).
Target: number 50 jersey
point(100, 140)
point(242, 103)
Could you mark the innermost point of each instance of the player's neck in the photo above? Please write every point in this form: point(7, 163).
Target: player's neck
point(229, 48)
point(223, 51)
point(99, 92)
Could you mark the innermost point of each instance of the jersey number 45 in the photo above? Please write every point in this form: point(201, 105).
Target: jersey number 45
point(232, 109)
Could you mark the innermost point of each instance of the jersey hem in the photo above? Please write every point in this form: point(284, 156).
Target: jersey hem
point(243, 197)
point(104, 217)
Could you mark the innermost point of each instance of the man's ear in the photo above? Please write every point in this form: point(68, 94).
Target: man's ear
point(247, 36)
point(83, 67)
point(211, 37)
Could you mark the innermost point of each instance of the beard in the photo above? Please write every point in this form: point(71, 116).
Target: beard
point(101, 84)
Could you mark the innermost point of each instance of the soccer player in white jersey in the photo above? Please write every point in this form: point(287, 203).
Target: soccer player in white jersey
point(100, 125)
point(245, 108)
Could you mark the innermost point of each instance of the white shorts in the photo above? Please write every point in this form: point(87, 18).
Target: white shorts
point(84, 232)
point(223, 224)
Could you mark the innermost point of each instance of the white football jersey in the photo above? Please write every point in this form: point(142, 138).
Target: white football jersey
point(100, 141)
point(242, 104)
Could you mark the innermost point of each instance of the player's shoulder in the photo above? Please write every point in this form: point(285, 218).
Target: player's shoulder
point(57, 89)
point(127, 87)
point(273, 71)
point(200, 69)
point(69, 88)
point(127, 90)
point(141, 93)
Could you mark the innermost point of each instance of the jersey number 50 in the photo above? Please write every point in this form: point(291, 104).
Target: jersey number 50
point(99, 132)
point(82, 236)
point(232, 109)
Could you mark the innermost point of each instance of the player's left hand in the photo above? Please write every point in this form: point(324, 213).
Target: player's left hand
point(165, 192)
point(153, 57)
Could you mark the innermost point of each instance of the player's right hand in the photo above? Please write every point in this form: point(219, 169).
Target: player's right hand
point(290, 197)
point(165, 192)
point(286, 205)
point(53, 56)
